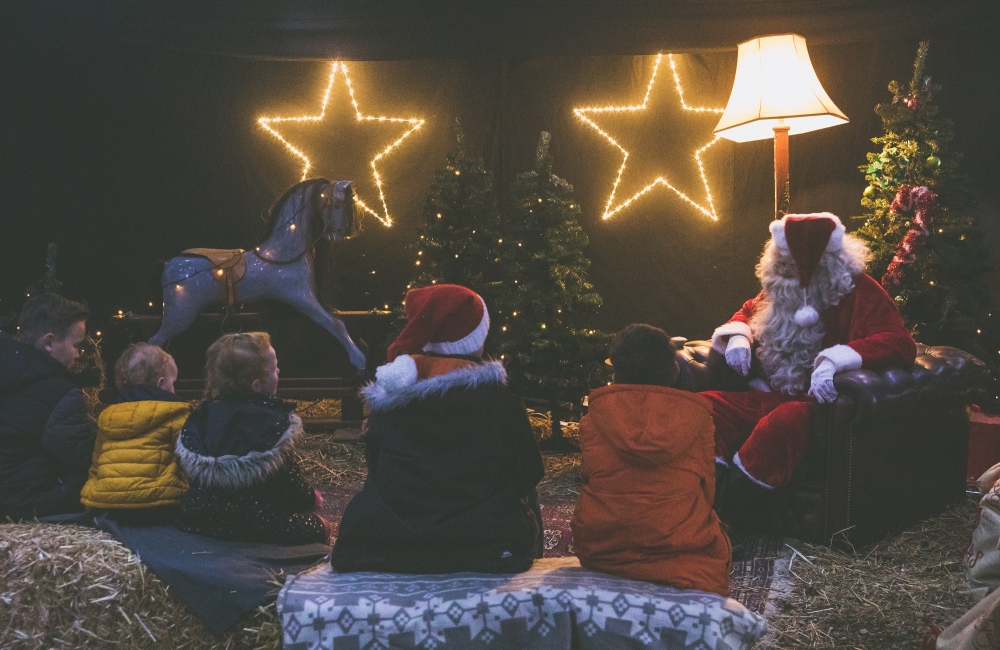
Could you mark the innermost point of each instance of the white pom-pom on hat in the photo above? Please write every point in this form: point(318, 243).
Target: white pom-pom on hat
point(399, 374)
point(806, 316)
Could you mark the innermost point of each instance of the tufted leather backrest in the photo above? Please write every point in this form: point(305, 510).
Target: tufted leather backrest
point(940, 372)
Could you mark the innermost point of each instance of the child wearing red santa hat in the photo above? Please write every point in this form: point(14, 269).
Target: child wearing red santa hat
point(452, 460)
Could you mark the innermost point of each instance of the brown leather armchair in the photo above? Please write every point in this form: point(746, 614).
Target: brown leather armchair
point(891, 450)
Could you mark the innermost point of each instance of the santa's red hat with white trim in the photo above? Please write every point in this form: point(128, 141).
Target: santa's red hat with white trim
point(442, 318)
point(807, 237)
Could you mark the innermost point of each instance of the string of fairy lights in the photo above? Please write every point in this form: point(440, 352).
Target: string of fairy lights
point(586, 115)
point(412, 125)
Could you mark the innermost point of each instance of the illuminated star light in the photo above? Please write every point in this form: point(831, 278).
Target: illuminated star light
point(611, 208)
point(414, 122)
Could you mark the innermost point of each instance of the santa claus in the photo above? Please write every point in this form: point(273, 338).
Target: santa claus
point(818, 313)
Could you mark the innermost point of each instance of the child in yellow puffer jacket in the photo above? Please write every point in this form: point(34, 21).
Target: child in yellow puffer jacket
point(135, 473)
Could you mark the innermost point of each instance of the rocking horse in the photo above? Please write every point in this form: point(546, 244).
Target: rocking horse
point(281, 268)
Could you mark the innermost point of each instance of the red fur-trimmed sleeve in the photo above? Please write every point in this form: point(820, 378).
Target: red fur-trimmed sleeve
point(737, 325)
point(877, 331)
point(745, 313)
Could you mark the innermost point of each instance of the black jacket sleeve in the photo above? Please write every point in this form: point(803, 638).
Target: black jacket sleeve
point(528, 466)
point(289, 489)
point(70, 432)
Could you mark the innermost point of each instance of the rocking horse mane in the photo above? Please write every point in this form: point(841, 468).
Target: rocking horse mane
point(323, 258)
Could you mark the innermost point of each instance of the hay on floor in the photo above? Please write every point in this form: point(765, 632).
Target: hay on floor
point(541, 424)
point(75, 587)
point(877, 597)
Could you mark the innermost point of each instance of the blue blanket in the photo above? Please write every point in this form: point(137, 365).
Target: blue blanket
point(219, 581)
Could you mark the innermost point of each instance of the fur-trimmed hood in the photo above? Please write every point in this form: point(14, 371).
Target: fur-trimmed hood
point(418, 376)
point(239, 447)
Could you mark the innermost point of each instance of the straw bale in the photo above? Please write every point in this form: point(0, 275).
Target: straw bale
point(75, 587)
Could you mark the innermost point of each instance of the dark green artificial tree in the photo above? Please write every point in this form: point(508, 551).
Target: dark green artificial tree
point(48, 283)
point(459, 237)
point(549, 341)
point(939, 277)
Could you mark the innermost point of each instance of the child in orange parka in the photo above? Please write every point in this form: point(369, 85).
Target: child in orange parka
point(645, 510)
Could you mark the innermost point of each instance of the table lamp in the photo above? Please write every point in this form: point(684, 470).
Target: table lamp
point(776, 94)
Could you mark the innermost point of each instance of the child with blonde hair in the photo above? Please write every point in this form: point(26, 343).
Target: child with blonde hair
point(238, 448)
point(134, 471)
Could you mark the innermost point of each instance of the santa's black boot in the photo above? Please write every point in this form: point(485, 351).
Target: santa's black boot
point(744, 506)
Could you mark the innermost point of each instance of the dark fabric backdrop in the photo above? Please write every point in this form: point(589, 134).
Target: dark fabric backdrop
point(127, 137)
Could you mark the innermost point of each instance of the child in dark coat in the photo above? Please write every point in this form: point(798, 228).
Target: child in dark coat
point(237, 449)
point(46, 432)
point(452, 460)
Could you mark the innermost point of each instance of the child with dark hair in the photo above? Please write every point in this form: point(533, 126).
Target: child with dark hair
point(135, 473)
point(645, 510)
point(46, 432)
point(238, 450)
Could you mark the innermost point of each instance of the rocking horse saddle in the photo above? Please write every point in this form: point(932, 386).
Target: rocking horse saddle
point(228, 268)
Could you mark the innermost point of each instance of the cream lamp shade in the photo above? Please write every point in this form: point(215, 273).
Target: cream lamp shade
point(776, 86)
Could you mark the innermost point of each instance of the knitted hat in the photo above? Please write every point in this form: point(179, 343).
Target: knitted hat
point(807, 237)
point(442, 318)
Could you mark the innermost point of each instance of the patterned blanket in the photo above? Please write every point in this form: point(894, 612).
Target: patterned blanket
point(557, 604)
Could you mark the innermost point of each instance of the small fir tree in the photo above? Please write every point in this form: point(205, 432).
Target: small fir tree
point(459, 237)
point(48, 283)
point(549, 342)
point(940, 287)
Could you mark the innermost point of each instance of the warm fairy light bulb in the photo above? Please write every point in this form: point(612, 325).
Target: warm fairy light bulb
point(150, 304)
point(98, 333)
point(611, 208)
point(418, 262)
point(339, 67)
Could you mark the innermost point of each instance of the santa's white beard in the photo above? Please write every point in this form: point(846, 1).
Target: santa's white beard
point(787, 349)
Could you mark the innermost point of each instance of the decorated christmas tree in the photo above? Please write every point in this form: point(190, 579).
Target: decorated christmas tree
point(926, 249)
point(549, 340)
point(459, 237)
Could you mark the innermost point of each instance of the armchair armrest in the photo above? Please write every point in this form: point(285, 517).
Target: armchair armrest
point(941, 373)
point(702, 368)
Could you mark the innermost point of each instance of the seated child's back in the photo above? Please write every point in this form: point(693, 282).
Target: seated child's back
point(645, 510)
point(238, 447)
point(452, 461)
point(134, 466)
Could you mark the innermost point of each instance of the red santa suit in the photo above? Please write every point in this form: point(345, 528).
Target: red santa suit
point(765, 433)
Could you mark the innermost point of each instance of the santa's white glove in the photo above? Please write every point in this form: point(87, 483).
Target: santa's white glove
point(738, 354)
point(822, 382)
